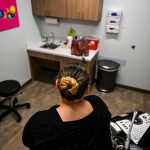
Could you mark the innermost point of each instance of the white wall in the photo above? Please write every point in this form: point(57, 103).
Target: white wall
point(134, 70)
point(134, 30)
point(14, 62)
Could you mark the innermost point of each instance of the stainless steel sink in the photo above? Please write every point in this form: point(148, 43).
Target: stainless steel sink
point(51, 46)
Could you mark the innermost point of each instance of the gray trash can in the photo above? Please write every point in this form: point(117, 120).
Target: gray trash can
point(106, 75)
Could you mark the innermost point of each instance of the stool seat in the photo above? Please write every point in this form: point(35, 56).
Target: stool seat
point(9, 87)
point(9, 90)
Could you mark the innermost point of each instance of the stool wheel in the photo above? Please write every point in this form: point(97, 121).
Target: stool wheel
point(15, 101)
point(18, 119)
point(28, 105)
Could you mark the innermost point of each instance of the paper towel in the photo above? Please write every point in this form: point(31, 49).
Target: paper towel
point(49, 20)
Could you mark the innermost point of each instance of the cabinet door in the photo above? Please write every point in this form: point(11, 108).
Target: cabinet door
point(73, 9)
point(38, 7)
point(91, 9)
point(55, 8)
point(84, 9)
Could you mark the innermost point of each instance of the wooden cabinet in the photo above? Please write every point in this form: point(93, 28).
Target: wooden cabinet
point(84, 9)
point(38, 7)
point(55, 8)
point(74, 9)
point(38, 60)
point(52, 8)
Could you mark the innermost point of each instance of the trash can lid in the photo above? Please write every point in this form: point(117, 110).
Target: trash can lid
point(108, 64)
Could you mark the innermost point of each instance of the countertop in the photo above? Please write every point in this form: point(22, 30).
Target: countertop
point(62, 50)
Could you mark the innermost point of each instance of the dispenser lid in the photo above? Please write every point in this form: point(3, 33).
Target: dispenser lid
point(108, 64)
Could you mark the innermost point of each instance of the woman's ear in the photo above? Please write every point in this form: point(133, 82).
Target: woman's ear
point(87, 89)
point(56, 83)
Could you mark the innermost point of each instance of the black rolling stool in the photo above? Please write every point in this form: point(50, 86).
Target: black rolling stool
point(8, 89)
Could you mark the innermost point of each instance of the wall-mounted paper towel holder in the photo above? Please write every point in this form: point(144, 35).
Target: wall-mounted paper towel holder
point(50, 20)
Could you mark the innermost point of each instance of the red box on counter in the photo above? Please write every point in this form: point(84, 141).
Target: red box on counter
point(92, 42)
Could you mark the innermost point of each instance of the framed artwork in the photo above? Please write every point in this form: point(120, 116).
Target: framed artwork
point(8, 14)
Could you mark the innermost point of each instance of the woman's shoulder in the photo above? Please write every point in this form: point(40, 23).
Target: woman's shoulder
point(42, 116)
point(37, 117)
point(97, 103)
point(94, 99)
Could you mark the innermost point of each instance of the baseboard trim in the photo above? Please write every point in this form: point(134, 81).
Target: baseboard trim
point(26, 83)
point(120, 85)
point(133, 88)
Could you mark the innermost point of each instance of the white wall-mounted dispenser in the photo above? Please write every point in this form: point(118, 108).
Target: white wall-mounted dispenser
point(113, 21)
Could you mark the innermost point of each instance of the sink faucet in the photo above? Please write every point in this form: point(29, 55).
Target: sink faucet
point(51, 36)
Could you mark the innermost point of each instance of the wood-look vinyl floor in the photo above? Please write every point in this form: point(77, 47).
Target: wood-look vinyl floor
point(42, 95)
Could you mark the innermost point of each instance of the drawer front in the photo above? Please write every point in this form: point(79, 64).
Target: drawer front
point(43, 56)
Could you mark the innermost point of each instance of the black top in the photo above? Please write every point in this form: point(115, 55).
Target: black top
point(46, 131)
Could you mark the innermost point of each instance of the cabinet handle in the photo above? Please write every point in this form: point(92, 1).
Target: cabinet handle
point(79, 14)
point(82, 15)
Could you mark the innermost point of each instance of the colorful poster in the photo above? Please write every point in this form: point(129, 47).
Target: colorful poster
point(8, 14)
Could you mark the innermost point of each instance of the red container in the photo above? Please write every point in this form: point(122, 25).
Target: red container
point(92, 42)
point(79, 48)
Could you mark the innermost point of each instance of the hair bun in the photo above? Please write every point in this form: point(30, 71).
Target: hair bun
point(68, 85)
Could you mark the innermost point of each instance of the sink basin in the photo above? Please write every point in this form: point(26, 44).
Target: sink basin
point(50, 46)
